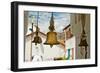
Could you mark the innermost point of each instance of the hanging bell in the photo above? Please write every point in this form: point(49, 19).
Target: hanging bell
point(51, 39)
point(37, 40)
point(51, 35)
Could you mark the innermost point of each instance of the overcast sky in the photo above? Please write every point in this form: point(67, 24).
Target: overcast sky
point(61, 20)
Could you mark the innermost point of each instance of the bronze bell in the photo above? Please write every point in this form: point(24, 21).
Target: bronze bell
point(51, 39)
point(37, 40)
point(51, 35)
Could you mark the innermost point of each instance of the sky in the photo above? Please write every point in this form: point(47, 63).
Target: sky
point(61, 20)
